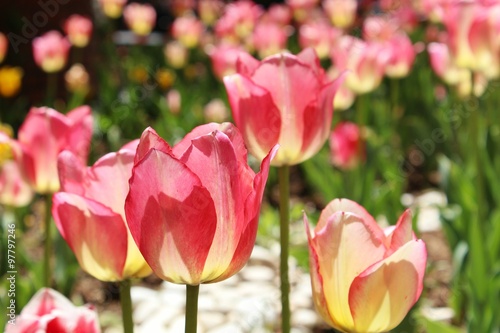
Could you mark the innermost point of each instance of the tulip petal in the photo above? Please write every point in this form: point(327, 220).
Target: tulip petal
point(71, 172)
point(317, 280)
point(42, 136)
point(80, 133)
point(346, 205)
point(262, 126)
point(246, 64)
point(112, 171)
point(171, 217)
point(401, 234)
point(150, 139)
point(213, 159)
point(318, 118)
point(309, 57)
point(44, 301)
point(381, 296)
point(91, 229)
point(345, 245)
point(252, 209)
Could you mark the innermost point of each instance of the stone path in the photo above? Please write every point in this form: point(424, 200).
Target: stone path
point(246, 302)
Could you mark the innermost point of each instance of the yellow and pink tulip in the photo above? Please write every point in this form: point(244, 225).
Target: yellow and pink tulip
point(364, 278)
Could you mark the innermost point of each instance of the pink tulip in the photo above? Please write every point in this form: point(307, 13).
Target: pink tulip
point(140, 18)
point(278, 13)
point(473, 37)
point(193, 209)
point(444, 65)
point(402, 55)
point(15, 191)
point(365, 62)
point(346, 145)
point(44, 134)
point(302, 8)
point(319, 35)
point(269, 38)
point(238, 21)
point(224, 58)
point(89, 213)
point(79, 30)
point(364, 278)
point(283, 99)
point(49, 311)
point(4, 43)
point(342, 13)
point(51, 51)
point(187, 30)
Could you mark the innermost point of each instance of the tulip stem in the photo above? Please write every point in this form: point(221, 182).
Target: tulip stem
point(47, 276)
point(126, 302)
point(51, 89)
point(284, 186)
point(191, 308)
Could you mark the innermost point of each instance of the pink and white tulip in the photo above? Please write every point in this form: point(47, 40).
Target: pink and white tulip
point(50, 311)
point(51, 51)
point(79, 30)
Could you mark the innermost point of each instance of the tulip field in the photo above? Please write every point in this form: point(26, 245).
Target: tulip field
point(147, 145)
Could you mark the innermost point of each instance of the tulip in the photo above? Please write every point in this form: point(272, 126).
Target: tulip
point(278, 13)
point(140, 18)
point(51, 51)
point(10, 81)
point(269, 38)
point(319, 35)
point(210, 10)
point(346, 145)
point(187, 30)
point(402, 55)
point(193, 209)
point(365, 62)
point(79, 29)
point(283, 99)
point(89, 213)
point(342, 13)
point(50, 311)
point(444, 65)
point(364, 278)
point(302, 8)
point(238, 21)
point(15, 190)
point(224, 58)
point(473, 38)
point(4, 43)
point(77, 79)
point(112, 8)
point(44, 134)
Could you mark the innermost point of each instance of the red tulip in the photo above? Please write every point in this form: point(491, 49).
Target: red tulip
point(89, 213)
point(346, 145)
point(283, 99)
point(364, 279)
point(193, 209)
point(49, 311)
point(44, 134)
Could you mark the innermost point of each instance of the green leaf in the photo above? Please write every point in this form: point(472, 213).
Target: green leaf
point(438, 327)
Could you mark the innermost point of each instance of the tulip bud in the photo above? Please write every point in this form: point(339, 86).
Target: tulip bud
point(346, 145)
point(77, 79)
point(112, 8)
point(4, 43)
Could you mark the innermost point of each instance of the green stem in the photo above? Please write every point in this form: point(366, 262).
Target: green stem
point(51, 89)
point(126, 302)
point(191, 308)
point(284, 186)
point(47, 272)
